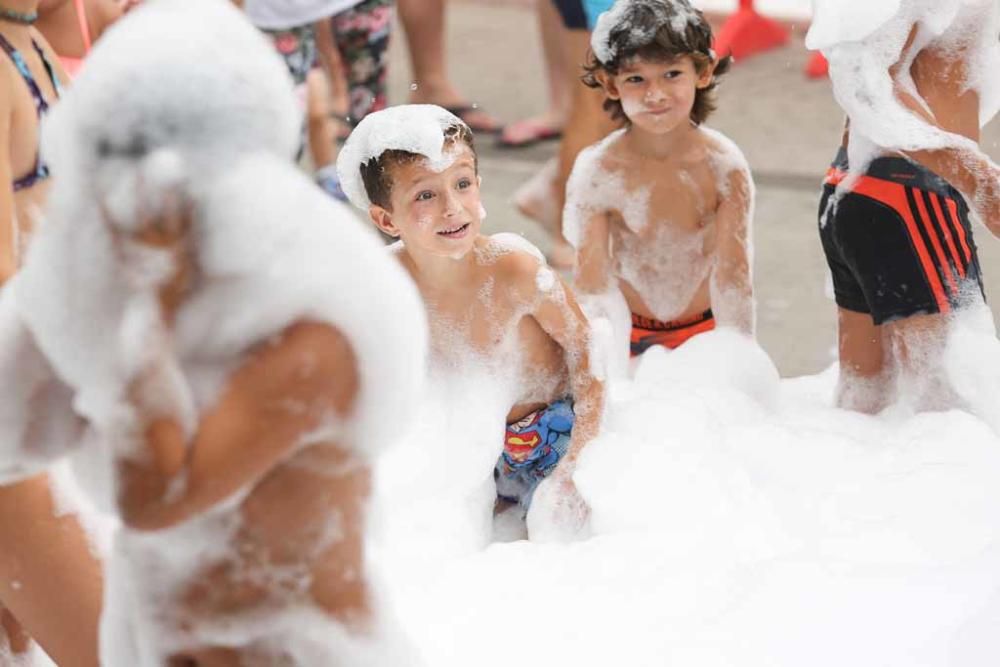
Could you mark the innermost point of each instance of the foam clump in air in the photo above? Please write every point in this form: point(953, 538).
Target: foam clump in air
point(414, 128)
point(619, 28)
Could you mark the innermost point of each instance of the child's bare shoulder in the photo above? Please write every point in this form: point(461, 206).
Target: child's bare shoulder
point(515, 261)
point(599, 159)
point(722, 153)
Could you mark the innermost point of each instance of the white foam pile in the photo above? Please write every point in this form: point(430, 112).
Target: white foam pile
point(737, 520)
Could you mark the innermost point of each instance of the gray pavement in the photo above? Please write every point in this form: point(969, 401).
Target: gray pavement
point(787, 126)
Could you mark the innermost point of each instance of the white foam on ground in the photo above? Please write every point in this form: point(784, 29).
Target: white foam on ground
point(738, 519)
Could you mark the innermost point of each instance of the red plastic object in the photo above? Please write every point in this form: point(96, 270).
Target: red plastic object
point(817, 67)
point(746, 32)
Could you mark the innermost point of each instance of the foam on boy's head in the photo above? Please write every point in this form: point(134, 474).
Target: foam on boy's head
point(189, 77)
point(417, 129)
point(631, 26)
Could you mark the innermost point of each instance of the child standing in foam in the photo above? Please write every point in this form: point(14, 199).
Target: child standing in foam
point(917, 80)
point(414, 169)
point(662, 208)
point(230, 382)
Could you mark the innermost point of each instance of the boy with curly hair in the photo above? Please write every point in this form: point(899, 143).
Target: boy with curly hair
point(662, 208)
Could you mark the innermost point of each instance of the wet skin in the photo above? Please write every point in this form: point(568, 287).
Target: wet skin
point(695, 228)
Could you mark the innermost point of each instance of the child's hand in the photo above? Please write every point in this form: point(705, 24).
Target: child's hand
point(558, 511)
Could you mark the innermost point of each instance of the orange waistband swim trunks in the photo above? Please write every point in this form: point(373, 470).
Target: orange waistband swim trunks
point(647, 332)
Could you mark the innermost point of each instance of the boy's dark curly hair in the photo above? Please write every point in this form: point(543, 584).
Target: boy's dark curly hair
point(650, 29)
point(376, 174)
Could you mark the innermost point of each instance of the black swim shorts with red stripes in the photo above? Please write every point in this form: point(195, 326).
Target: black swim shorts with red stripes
point(899, 242)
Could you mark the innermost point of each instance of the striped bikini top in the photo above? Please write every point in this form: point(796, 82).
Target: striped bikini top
point(41, 171)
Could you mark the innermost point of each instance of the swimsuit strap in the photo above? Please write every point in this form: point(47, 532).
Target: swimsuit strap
point(41, 105)
point(81, 15)
point(40, 171)
point(48, 70)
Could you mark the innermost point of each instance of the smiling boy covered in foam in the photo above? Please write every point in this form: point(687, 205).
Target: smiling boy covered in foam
point(414, 170)
point(661, 209)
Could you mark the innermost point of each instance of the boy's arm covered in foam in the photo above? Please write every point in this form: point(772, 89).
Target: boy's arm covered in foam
point(731, 283)
point(559, 315)
point(593, 257)
point(284, 391)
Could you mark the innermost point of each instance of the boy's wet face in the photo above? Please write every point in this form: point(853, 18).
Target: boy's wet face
point(437, 211)
point(658, 95)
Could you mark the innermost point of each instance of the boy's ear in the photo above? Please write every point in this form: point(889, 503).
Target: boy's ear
point(383, 220)
point(705, 76)
point(608, 83)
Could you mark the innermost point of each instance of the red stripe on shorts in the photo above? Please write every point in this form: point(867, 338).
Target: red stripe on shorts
point(953, 209)
point(893, 195)
point(932, 234)
point(948, 237)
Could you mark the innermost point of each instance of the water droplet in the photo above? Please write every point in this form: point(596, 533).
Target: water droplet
point(414, 86)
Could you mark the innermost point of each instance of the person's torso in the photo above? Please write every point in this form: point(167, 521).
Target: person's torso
point(663, 236)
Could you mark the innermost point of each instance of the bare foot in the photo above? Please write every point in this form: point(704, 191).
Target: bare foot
point(530, 131)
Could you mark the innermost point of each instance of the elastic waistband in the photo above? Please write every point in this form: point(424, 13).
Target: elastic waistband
point(640, 322)
point(564, 404)
point(895, 170)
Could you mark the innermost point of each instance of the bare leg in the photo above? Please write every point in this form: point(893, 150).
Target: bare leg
point(558, 70)
point(333, 64)
point(49, 579)
point(319, 123)
point(866, 369)
point(918, 344)
point(424, 22)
